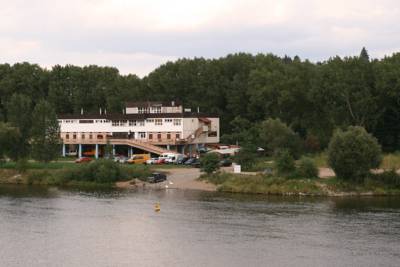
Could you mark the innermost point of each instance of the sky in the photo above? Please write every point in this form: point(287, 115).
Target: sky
point(138, 36)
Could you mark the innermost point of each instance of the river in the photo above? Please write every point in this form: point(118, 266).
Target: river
point(52, 227)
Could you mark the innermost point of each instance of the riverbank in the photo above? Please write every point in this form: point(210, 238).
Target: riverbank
point(270, 185)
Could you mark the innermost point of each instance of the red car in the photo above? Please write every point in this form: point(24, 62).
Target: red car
point(83, 160)
point(159, 161)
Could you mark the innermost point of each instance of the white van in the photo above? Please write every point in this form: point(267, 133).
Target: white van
point(170, 158)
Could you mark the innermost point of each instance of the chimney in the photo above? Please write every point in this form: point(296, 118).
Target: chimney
point(100, 111)
point(81, 111)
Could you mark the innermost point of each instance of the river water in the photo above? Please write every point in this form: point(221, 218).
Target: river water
point(52, 227)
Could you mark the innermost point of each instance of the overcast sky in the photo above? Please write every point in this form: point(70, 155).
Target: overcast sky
point(137, 36)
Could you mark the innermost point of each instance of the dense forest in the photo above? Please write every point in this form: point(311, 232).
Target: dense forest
point(243, 89)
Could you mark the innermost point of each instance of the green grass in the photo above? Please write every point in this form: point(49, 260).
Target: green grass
point(262, 184)
point(34, 165)
point(320, 159)
point(391, 161)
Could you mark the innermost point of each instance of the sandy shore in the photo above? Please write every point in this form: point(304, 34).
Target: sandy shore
point(178, 178)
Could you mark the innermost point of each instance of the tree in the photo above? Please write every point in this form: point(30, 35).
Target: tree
point(20, 115)
point(209, 163)
point(276, 136)
point(246, 157)
point(9, 136)
point(45, 133)
point(353, 153)
point(284, 163)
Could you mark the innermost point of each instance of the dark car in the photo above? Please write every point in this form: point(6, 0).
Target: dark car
point(190, 161)
point(225, 163)
point(196, 163)
point(182, 160)
point(157, 177)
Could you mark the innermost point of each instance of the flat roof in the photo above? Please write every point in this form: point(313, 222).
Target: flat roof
point(141, 116)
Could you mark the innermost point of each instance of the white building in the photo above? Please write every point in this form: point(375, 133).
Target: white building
point(153, 127)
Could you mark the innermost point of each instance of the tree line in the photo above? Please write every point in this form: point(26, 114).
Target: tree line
point(313, 99)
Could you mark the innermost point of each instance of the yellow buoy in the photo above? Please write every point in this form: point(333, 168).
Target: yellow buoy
point(157, 207)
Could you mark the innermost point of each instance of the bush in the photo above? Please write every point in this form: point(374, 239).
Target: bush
point(276, 136)
point(209, 162)
point(99, 171)
point(307, 168)
point(284, 163)
point(353, 153)
point(246, 157)
point(391, 178)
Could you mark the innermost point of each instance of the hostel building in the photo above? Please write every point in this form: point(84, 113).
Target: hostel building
point(149, 127)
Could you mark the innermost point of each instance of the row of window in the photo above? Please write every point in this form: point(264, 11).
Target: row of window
point(141, 135)
point(83, 136)
point(143, 110)
point(176, 122)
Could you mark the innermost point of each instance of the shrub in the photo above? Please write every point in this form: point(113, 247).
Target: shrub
point(391, 178)
point(246, 157)
point(284, 163)
point(307, 168)
point(276, 136)
point(22, 165)
point(209, 162)
point(352, 153)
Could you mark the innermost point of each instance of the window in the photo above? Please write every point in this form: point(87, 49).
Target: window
point(99, 136)
point(177, 136)
point(83, 136)
point(119, 123)
point(67, 136)
point(156, 109)
point(132, 123)
point(74, 136)
point(141, 123)
point(212, 134)
point(177, 122)
point(168, 136)
point(168, 120)
point(150, 120)
point(86, 121)
point(142, 135)
point(90, 136)
point(158, 136)
point(158, 121)
point(150, 136)
point(142, 110)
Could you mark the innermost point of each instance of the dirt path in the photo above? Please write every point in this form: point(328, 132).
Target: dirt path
point(179, 178)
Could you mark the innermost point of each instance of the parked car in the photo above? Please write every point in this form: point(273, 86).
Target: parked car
point(182, 160)
point(156, 177)
point(189, 161)
point(151, 161)
point(196, 163)
point(159, 161)
point(138, 159)
point(121, 159)
point(83, 160)
point(225, 163)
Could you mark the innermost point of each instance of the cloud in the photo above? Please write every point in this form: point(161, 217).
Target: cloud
point(136, 36)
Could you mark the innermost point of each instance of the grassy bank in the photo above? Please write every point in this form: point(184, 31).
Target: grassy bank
point(101, 173)
point(270, 185)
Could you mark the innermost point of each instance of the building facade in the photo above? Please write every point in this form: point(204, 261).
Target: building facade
point(154, 127)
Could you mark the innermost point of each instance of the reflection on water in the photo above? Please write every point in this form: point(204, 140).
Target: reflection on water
point(51, 227)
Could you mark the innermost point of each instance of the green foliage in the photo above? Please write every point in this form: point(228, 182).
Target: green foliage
point(275, 136)
point(353, 153)
point(21, 165)
point(209, 162)
point(20, 116)
point(284, 163)
point(306, 168)
point(45, 133)
point(9, 136)
point(99, 171)
point(390, 178)
point(246, 157)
